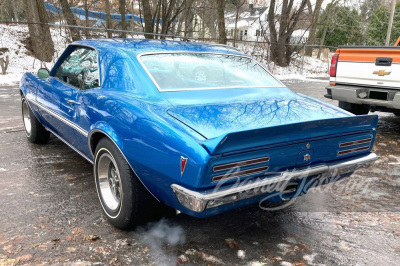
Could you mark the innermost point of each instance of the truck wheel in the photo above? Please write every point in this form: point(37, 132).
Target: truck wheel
point(34, 130)
point(124, 199)
point(357, 109)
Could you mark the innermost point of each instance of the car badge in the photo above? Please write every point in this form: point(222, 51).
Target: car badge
point(307, 157)
point(381, 73)
point(183, 164)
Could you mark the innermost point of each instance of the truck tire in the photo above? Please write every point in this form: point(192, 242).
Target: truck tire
point(357, 109)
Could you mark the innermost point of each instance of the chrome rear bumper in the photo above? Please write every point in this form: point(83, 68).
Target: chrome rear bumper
point(198, 202)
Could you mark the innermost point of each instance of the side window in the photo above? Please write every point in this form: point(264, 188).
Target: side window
point(80, 69)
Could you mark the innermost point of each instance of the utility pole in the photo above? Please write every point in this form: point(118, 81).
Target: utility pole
point(389, 31)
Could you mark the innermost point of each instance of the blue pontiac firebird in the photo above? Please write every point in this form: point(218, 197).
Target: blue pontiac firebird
point(194, 127)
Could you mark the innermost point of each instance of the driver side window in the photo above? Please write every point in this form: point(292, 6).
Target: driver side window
point(80, 69)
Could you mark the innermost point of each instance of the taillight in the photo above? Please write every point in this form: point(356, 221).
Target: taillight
point(334, 62)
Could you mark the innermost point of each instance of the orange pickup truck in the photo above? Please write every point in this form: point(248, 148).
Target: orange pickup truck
point(366, 78)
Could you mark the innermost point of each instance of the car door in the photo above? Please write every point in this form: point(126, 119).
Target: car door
point(59, 100)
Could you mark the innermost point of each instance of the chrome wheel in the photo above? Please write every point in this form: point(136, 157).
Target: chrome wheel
point(109, 181)
point(26, 116)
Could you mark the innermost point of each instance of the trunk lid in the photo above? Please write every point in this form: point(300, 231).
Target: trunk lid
point(218, 119)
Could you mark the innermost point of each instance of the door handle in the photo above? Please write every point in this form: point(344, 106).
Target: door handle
point(71, 102)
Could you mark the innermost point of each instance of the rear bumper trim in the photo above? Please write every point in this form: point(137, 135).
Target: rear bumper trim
point(350, 94)
point(198, 202)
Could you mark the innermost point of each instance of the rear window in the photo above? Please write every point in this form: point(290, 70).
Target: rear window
point(196, 71)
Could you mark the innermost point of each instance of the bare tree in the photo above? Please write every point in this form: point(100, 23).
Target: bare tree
point(39, 31)
point(281, 51)
point(122, 12)
point(70, 18)
point(170, 11)
point(4, 60)
point(326, 23)
point(108, 19)
point(148, 19)
point(221, 21)
point(238, 5)
point(314, 24)
point(160, 11)
point(86, 7)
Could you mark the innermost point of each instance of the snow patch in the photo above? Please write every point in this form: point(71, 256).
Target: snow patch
point(13, 37)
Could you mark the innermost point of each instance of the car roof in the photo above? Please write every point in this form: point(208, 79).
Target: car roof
point(139, 46)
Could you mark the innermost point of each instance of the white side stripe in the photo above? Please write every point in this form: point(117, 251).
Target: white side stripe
point(61, 118)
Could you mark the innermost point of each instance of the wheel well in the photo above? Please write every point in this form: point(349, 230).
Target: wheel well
point(94, 140)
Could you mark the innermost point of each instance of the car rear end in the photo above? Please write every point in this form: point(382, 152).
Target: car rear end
point(365, 78)
point(279, 163)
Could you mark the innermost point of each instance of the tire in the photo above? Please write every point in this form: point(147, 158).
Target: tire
point(34, 130)
point(357, 109)
point(396, 113)
point(124, 199)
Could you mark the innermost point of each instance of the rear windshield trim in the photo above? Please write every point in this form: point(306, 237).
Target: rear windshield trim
point(206, 88)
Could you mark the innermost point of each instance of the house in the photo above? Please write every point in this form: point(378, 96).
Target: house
point(252, 23)
point(258, 3)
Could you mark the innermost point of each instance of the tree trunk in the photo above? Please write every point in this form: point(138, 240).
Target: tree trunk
point(203, 24)
point(236, 21)
point(133, 13)
point(108, 19)
point(70, 18)
point(221, 21)
point(42, 44)
point(148, 19)
point(281, 51)
point(321, 42)
point(122, 9)
point(313, 28)
point(87, 35)
point(4, 64)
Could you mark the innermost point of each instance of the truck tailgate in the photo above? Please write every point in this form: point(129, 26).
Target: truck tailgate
point(368, 66)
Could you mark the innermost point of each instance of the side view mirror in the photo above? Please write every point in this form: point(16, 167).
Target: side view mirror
point(43, 73)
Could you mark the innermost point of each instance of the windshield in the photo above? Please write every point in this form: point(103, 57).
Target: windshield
point(196, 71)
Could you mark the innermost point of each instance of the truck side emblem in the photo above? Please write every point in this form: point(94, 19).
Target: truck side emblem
point(183, 164)
point(381, 73)
point(307, 157)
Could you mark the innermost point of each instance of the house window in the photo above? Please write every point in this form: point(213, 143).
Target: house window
point(257, 33)
point(245, 32)
point(262, 32)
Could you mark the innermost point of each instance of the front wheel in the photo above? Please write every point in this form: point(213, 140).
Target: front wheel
point(34, 130)
point(124, 199)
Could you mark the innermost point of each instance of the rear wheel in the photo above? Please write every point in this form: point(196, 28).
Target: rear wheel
point(124, 199)
point(357, 109)
point(34, 130)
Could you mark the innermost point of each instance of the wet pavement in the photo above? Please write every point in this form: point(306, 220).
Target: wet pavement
point(50, 213)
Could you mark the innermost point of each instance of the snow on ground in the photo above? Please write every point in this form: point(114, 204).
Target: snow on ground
point(13, 37)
